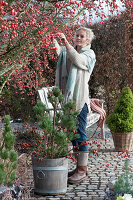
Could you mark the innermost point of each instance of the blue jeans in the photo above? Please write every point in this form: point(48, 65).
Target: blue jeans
point(82, 122)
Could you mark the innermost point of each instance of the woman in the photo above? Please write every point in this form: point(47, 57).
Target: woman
point(74, 67)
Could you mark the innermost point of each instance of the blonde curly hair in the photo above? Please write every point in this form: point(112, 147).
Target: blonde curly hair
point(89, 33)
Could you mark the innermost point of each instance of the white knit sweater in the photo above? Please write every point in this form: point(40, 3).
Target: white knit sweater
point(84, 61)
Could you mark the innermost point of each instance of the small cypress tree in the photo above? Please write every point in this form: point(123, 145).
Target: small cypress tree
point(8, 156)
point(121, 120)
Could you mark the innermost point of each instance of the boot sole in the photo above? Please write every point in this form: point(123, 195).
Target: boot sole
point(79, 181)
point(87, 173)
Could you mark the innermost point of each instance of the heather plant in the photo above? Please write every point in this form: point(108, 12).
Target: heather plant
point(8, 156)
point(121, 120)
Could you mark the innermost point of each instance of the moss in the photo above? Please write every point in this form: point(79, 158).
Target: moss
point(121, 120)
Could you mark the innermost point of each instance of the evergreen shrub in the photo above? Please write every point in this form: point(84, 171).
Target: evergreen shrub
point(121, 120)
point(57, 131)
point(124, 183)
point(8, 156)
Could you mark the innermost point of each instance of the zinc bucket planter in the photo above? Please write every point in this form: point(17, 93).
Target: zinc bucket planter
point(123, 141)
point(50, 176)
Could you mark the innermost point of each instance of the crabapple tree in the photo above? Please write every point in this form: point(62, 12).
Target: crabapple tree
point(27, 57)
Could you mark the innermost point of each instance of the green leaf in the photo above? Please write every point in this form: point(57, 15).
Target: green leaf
point(13, 156)
point(15, 165)
point(4, 154)
point(2, 176)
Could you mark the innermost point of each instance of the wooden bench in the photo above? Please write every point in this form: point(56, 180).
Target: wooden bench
point(92, 117)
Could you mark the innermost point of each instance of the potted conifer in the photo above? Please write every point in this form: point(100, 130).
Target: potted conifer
point(120, 121)
point(8, 159)
point(50, 146)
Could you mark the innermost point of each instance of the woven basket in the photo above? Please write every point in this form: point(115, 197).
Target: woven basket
point(123, 141)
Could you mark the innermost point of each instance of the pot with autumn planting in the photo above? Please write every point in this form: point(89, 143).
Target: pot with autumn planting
point(49, 146)
point(120, 121)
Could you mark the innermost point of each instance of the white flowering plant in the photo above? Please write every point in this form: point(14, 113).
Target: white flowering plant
point(125, 197)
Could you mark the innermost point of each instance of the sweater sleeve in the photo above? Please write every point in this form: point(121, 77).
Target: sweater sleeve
point(84, 60)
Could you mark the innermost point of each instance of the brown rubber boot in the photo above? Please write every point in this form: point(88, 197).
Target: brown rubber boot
point(74, 170)
point(79, 175)
point(81, 170)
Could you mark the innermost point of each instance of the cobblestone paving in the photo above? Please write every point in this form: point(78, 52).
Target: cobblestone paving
point(103, 165)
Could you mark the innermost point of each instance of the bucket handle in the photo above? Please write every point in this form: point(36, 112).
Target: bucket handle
point(40, 172)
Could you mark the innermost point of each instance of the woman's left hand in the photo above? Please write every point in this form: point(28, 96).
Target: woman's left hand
point(62, 37)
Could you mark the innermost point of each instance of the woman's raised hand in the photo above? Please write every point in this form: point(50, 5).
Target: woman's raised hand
point(62, 37)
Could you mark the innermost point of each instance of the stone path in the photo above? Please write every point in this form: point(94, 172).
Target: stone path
point(104, 165)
